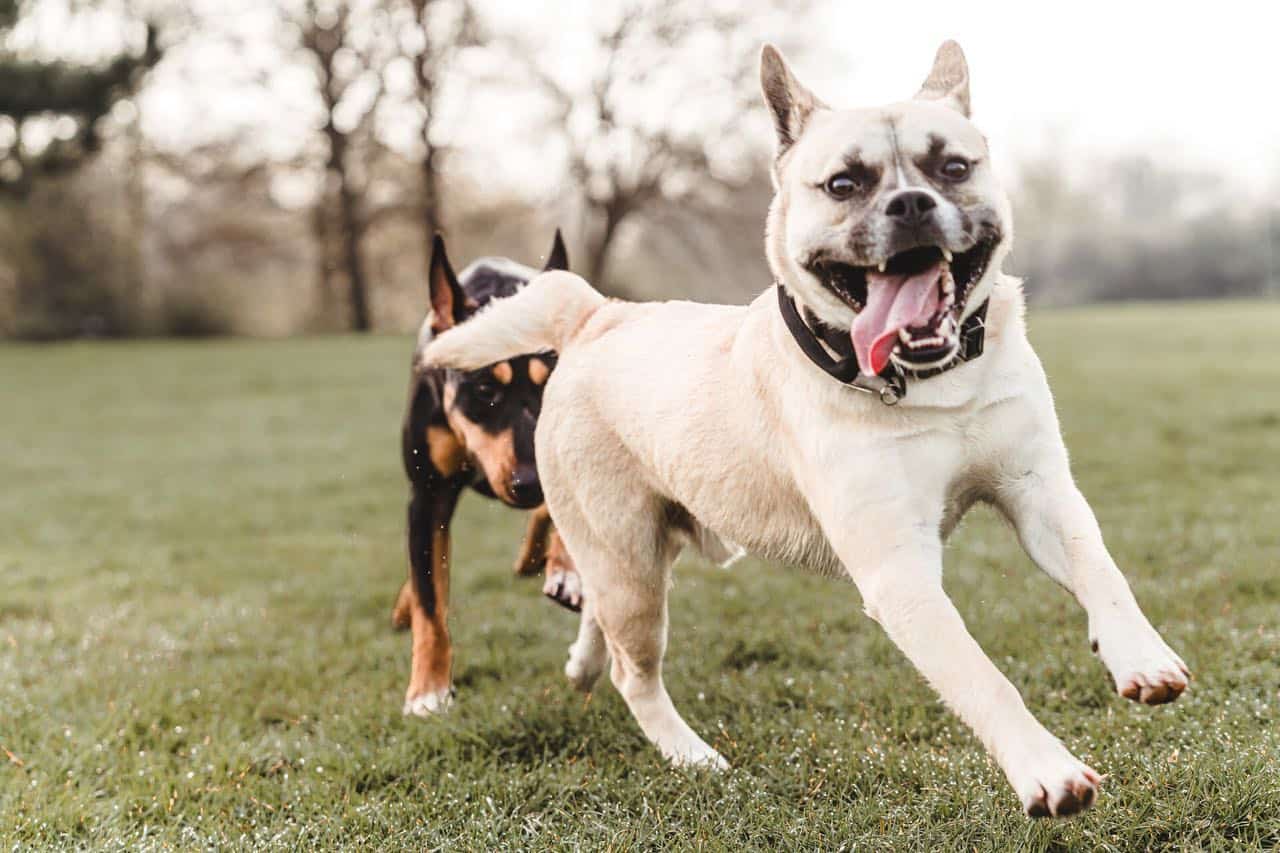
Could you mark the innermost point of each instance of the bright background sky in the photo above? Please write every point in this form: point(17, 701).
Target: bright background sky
point(1191, 83)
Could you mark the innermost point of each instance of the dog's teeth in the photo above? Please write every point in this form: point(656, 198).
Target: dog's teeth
point(904, 336)
point(946, 253)
point(882, 266)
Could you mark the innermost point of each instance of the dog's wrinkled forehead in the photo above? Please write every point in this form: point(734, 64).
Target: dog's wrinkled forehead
point(894, 140)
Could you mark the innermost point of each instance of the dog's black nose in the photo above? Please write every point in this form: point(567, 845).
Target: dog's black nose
point(526, 489)
point(910, 207)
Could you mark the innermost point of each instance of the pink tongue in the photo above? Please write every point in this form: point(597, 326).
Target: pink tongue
point(894, 302)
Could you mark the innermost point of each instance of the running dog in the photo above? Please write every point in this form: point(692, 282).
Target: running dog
point(843, 421)
point(470, 429)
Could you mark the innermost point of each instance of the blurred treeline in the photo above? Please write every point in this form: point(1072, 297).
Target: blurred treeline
point(359, 128)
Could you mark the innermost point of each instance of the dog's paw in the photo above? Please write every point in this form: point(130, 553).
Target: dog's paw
point(563, 587)
point(1056, 784)
point(429, 703)
point(702, 758)
point(1141, 664)
point(582, 671)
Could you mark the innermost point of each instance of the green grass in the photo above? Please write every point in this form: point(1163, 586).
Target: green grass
point(200, 544)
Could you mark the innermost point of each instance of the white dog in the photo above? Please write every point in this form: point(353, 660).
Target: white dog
point(677, 422)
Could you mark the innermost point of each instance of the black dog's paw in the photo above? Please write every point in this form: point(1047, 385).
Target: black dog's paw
point(564, 588)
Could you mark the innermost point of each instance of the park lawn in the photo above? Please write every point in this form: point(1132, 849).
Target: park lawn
point(200, 544)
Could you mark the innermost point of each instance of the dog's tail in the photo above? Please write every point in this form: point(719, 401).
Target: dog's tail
point(540, 318)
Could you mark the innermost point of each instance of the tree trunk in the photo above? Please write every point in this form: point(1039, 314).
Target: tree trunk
point(340, 231)
point(598, 250)
point(353, 257)
point(429, 167)
point(326, 289)
point(349, 225)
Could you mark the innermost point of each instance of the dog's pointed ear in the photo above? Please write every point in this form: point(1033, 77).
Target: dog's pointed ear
point(790, 103)
point(449, 304)
point(558, 257)
point(948, 82)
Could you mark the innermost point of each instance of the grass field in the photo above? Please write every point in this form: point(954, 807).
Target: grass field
point(200, 544)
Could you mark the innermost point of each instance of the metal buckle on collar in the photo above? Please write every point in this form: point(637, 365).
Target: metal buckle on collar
point(890, 390)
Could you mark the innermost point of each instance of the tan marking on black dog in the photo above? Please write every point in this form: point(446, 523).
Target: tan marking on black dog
point(533, 550)
point(494, 453)
point(503, 373)
point(539, 370)
point(402, 613)
point(432, 667)
point(447, 453)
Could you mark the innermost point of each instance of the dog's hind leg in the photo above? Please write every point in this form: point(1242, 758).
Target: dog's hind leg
point(589, 654)
point(627, 596)
point(402, 612)
point(533, 549)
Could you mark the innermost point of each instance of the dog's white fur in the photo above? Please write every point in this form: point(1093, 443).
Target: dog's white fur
point(677, 422)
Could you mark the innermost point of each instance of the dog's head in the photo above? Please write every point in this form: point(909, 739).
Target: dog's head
point(481, 422)
point(888, 222)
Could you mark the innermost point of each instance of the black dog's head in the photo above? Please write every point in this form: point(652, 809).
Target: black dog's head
point(479, 424)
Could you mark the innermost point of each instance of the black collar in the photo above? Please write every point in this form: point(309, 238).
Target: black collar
point(891, 384)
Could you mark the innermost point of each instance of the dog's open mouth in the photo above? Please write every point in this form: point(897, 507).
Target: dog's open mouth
point(909, 307)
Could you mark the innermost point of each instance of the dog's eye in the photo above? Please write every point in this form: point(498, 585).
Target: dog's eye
point(486, 392)
point(841, 186)
point(955, 169)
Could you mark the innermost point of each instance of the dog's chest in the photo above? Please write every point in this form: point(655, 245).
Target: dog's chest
point(961, 462)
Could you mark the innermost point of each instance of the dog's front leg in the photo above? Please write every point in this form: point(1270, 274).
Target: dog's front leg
point(543, 551)
point(533, 548)
point(895, 560)
point(430, 680)
point(1060, 533)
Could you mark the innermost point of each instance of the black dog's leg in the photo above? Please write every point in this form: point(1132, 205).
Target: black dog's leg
point(430, 511)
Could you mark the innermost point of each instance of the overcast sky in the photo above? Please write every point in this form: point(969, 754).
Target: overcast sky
point(1191, 85)
point(1195, 83)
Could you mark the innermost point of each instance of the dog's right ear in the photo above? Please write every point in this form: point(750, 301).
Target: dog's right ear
point(448, 301)
point(558, 257)
point(790, 103)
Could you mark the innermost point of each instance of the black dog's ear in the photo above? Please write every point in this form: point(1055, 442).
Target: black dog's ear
point(558, 257)
point(448, 301)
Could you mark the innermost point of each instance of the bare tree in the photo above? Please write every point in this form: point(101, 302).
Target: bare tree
point(661, 119)
point(437, 30)
point(348, 59)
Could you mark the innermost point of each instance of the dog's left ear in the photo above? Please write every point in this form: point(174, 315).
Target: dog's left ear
point(948, 82)
point(449, 303)
point(558, 257)
point(790, 103)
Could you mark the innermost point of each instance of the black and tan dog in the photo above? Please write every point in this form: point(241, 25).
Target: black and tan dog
point(470, 429)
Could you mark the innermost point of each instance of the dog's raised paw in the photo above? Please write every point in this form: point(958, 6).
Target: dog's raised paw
point(564, 588)
point(429, 704)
